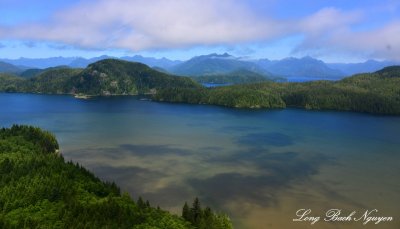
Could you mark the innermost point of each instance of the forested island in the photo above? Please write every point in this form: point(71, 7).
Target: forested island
point(377, 92)
point(39, 189)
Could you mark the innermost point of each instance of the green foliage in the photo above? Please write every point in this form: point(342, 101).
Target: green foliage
point(391, 71)
point(377, 93)
point(204, 218)
point(38, 189)
point(10, 83)
point(52, 81)
point(42, 140)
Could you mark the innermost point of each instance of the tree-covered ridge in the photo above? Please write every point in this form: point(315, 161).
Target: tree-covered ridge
point(38, 189)
point(52, 81)
point(10, 83)
point(105, 77)
point(122, 77)
point(377, 92)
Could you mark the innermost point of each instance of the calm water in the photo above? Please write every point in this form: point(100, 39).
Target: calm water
point(258, 166)
point(215, 84)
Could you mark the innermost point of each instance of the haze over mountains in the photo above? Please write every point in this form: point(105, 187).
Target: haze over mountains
point(206, 65)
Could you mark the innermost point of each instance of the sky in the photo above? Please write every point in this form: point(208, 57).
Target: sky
point(333, 31)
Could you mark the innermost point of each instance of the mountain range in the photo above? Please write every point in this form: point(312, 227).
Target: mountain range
point(300, 67)
point(206, 65)
point(80, 62)
point(214, 64)
point(367, 66)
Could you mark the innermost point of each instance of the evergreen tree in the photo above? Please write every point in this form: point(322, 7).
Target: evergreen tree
point(186, 214)
point(196, 212)
point(141, 204)
point(208, 217)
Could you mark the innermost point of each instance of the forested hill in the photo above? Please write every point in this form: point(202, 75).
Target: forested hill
point(122, 77)
point(377, 93)
point(105, 77)
point(38, 189)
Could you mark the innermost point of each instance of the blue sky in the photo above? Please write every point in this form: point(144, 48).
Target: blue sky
point(334, 31)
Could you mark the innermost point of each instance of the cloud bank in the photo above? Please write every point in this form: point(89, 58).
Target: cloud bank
point(167, 24)
point(144, 24)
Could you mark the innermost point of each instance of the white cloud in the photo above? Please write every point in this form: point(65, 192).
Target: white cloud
point(319, 28)
point(331, 31)
point(144, 24)
point(383, 43)
point(327, 20)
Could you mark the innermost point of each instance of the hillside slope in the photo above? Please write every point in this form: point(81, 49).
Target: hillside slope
point(9, 68)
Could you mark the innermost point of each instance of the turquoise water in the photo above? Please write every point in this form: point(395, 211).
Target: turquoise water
point(258, 166)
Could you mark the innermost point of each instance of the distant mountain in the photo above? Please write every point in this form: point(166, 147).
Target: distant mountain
point(368, 66)
point(40, 62)
point(80, 62)
point(214, 64)
point(83, 63)
point(32, 72)
point(10, 68)
point(163, 63)
point(303, 67)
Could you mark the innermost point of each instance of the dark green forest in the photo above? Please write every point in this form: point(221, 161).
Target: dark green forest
point(39, 189)
point(377, 93)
